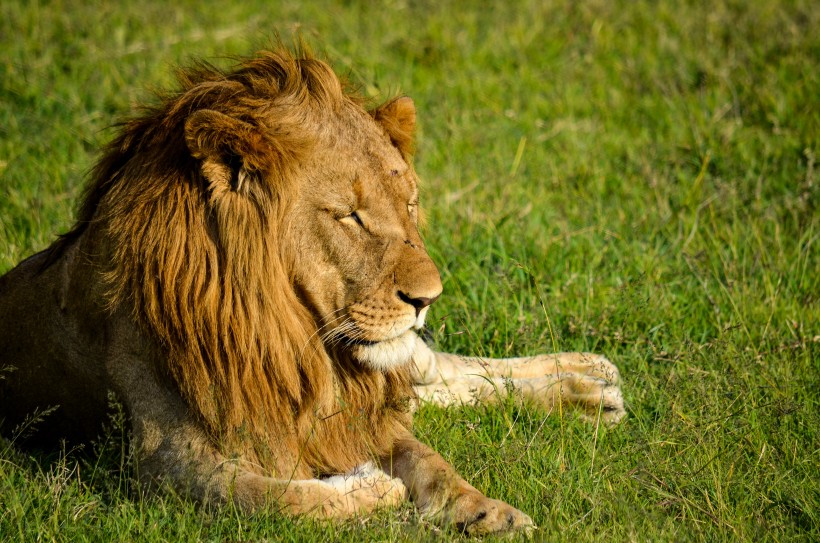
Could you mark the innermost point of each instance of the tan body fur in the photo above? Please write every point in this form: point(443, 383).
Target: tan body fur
point(246, 275)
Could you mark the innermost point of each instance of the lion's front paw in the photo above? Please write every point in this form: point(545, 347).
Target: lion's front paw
point(476, 514)
point(594, 386)
point(583, 381)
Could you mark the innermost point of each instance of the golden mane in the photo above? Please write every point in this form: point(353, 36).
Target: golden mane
point(207, 273)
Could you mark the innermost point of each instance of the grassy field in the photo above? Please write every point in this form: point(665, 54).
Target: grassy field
point(636, 178)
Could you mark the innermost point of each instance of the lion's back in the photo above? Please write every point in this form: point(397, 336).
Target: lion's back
point(47, 390)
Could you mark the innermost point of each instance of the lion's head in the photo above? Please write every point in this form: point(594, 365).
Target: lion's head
point(263, 228)
point(359, 262)
point(349, 235)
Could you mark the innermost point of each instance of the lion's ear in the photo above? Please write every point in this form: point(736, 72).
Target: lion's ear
point(398, 117)
point(229, 148)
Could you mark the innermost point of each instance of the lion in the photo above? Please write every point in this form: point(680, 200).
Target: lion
point(246, 275)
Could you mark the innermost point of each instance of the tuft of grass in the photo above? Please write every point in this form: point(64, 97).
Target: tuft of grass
point(632, 178)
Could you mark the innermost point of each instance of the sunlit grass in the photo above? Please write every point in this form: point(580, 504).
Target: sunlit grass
point(632, 178)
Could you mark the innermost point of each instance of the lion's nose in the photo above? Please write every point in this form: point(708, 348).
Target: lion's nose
point(419, 302)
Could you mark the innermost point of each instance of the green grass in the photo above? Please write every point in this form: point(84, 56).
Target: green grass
point(632, 178)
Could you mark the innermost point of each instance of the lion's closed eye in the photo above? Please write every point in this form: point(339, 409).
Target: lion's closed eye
point(352, 219)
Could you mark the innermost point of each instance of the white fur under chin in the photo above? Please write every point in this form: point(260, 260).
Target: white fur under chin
point(388, 354)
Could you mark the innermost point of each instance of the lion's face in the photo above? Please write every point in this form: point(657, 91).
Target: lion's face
point(361, 266)
point(350, 239)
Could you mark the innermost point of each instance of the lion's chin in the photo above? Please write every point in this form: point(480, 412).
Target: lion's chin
point(388, 354)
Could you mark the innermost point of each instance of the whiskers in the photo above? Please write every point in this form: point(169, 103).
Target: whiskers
point(329, 319)
point(336, 335)
point(333, 333)
point(346, 331)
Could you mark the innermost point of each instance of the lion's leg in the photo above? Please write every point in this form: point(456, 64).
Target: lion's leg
point(440, 493)
point(342, 496)
point(367, 482)
point(187, 464)
point(593, 397)
point(172, 451)
point(176, 454)
point(578, 380)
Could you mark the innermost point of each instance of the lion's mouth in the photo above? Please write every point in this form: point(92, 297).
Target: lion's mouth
point(356, 340)
point(352, 342)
